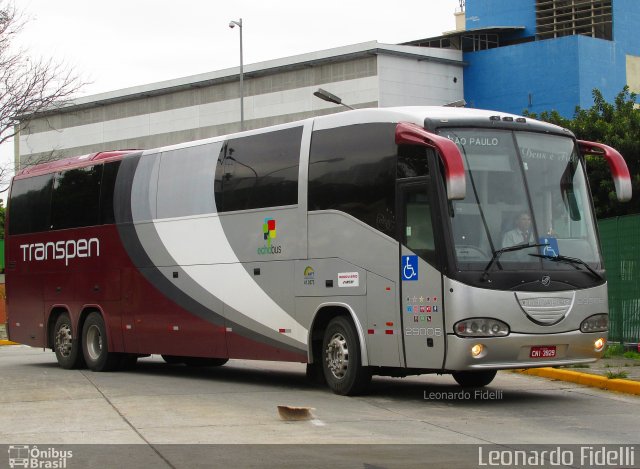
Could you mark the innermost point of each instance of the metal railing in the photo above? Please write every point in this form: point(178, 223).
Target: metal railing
point(620, 238)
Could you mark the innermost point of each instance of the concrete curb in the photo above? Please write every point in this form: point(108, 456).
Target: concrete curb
point(601, 382)
point(8, 342)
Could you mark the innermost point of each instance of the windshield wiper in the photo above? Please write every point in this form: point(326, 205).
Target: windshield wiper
point(499, 252)
point(570, 260)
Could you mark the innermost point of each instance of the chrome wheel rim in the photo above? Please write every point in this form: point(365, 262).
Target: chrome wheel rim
point(94, 342)
point(64, 340)
point(337, 355)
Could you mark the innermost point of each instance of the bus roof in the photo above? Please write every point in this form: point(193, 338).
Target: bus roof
point(421, 115)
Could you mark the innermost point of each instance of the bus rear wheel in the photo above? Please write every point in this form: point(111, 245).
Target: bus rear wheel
point(341, 359)
point(95, 346)
point(67, 349)
point(474, 379)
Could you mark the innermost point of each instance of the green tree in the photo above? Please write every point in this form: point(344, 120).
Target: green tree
point(616, 124)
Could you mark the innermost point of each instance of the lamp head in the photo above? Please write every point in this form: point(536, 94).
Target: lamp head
point(232, 24)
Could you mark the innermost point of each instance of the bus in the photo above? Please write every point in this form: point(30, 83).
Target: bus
point(367, 242)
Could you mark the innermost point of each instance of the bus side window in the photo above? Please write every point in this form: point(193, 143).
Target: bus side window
point(76, 198)
point(30, 205)
point(353, 169)
point(258, 171)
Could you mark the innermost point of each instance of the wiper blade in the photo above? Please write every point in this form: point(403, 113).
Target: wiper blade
point(570, 260)
point(499, 252)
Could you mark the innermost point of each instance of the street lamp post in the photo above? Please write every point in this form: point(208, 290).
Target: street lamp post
point(330, 97)
point(232, 24)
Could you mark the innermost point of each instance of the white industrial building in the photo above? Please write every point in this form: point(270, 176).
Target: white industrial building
point(276, 91)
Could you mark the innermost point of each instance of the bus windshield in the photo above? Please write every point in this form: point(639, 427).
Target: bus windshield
point(523, 188)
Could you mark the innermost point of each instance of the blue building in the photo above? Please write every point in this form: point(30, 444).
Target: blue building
point(539, 55)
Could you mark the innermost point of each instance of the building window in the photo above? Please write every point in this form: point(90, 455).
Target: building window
point(558, 18)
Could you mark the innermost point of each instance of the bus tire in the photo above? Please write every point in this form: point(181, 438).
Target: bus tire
point(67, 349)
point(95, 345)
point(204, 361)
point(315, 374)
point(474, 379)
point(341, 359)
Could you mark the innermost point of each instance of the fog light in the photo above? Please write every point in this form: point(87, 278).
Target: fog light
point(599, 344)
point(477, 350)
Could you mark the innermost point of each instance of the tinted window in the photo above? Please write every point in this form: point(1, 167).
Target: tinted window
point(258, 171)
point(109, 174)
point(412, 161)
point(185, 184)
point(418, 230)
point(353, 169)
point(30, 204)
point(76, 198)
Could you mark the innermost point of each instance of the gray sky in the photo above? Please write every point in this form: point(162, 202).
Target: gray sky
point(120, 43)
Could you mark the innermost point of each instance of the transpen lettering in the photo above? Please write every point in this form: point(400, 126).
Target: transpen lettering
point(66, 250)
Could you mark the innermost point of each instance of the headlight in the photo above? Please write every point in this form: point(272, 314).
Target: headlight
point(595, 323)
point(481, 327)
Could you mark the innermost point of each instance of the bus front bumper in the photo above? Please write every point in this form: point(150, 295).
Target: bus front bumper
point(522, 351)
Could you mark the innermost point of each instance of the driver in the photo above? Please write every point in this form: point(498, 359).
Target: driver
point(521, 234)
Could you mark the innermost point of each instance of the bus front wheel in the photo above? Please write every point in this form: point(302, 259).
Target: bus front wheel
point(341, 359)
point(95, 346)
point(474, 379)
point(67, 348)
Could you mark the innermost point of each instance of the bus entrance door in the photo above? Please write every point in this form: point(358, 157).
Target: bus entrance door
point(421, 284)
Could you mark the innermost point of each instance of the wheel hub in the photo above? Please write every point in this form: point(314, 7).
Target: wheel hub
point(337, 356)
point(94, 342)
point(64, 340)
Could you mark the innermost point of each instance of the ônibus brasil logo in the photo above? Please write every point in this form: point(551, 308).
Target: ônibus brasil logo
point(269, 234)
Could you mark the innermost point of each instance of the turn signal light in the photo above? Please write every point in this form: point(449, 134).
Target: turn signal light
point(595, 323)
point(481, 327)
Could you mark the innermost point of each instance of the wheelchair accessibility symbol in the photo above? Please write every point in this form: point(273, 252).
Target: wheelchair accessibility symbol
point(550, 247)
point(409, 267)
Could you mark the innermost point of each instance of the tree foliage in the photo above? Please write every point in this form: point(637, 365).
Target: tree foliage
point(27, 85)
point(615, 124)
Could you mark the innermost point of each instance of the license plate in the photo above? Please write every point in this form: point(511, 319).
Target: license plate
point(547, 351)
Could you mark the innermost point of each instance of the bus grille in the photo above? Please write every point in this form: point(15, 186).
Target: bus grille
point(544, 310)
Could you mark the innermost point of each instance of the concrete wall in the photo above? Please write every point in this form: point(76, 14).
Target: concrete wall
point(418, 83)
point(275, 92)
point(175, 117)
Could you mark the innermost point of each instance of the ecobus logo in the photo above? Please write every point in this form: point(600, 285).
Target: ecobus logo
point(269, 234)
point(66, 250)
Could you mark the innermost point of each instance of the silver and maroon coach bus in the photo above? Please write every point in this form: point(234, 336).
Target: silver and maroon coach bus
point(371, 242)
